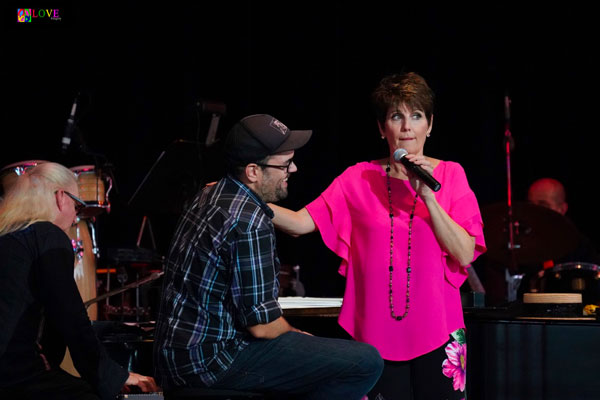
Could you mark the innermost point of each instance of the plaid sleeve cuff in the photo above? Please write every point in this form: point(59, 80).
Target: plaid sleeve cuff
point(262, 313)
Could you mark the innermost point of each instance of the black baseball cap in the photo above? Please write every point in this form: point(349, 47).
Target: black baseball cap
point(258, 136)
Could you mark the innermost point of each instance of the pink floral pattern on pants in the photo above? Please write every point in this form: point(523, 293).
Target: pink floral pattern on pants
point(455, 366)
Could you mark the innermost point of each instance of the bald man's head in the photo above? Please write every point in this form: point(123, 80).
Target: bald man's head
point(549, 193)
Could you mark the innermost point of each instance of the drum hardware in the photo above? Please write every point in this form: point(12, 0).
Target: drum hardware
point(86, 254)
point(509, 145)
point(95, 248)
point(513, 278)
point(513, 282)
point(172, 180)
point(77, 244)
point(123, 312)
point(127, 262)
point(152, 277)
point(574, 277)
point(145, 222)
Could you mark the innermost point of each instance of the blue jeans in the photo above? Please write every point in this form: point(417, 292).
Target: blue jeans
point(308, 367)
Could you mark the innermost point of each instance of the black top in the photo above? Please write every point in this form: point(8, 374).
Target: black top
point(38, 292)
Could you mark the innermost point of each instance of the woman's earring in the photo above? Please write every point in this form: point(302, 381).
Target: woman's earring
point(382, 137)
point(429, 134)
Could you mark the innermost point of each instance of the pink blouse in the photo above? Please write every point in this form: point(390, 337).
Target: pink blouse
point(352, 215)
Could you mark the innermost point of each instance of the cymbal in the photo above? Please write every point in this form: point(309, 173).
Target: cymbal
point(539, 233)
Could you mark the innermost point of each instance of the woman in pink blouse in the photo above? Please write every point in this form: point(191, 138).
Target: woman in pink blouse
point(404, 249)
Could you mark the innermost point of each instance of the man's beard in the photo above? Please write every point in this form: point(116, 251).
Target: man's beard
point(272, 192)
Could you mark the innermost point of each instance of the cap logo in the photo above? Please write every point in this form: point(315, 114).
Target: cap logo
point(279, 126)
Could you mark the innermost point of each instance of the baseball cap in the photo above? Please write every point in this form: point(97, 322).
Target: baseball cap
point(258, 136)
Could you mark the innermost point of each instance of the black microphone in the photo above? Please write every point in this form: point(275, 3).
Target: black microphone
point(424, 176)
point(70, 127)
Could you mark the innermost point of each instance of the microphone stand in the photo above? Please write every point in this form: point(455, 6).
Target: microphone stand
point(513, 279)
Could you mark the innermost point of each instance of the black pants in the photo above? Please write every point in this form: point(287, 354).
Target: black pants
point(50, 385)
point(428, 377)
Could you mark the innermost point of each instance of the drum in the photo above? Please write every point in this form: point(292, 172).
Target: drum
point(573, 277)
point(84, 273)
point(92, 190)
point(10, 173)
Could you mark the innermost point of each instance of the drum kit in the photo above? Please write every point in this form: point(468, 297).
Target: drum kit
point(525, 240)
point(542, 242)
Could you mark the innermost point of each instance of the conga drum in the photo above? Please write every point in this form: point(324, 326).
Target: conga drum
point(93, 190)
point(85, 277)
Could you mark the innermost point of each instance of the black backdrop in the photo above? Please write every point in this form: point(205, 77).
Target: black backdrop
point(141, 69)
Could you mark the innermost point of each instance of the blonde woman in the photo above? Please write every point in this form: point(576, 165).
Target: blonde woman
point(41, 311)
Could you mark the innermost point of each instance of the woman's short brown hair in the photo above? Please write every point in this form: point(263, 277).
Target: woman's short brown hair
point(408, 88)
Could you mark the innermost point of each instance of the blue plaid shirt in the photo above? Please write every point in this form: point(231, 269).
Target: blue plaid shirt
point(220, 277)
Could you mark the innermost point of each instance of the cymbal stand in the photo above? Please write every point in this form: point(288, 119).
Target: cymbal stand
point(513, 279)
point(145, 220)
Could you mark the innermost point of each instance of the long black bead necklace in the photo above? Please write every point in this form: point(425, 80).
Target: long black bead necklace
point(408, 270)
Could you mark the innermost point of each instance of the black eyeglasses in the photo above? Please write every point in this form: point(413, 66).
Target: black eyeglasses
point(79, 204)
point(285, 168)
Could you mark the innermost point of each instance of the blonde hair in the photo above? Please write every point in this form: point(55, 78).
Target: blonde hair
point(31, 199)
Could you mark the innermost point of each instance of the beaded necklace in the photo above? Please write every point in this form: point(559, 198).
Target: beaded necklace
point(408, 270)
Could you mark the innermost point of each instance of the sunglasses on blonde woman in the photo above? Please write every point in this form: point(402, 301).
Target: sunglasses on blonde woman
point(79, 204)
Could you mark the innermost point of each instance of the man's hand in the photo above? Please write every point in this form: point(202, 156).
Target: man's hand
point(272, 329)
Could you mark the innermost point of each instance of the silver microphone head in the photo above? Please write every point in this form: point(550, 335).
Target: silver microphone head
point(398, 154)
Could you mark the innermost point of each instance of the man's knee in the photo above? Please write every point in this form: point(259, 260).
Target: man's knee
point(372, 360)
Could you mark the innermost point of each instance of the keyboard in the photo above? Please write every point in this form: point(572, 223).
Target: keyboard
point(141, 396)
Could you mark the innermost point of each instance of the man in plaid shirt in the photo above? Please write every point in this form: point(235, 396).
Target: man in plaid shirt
point(220, 324)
